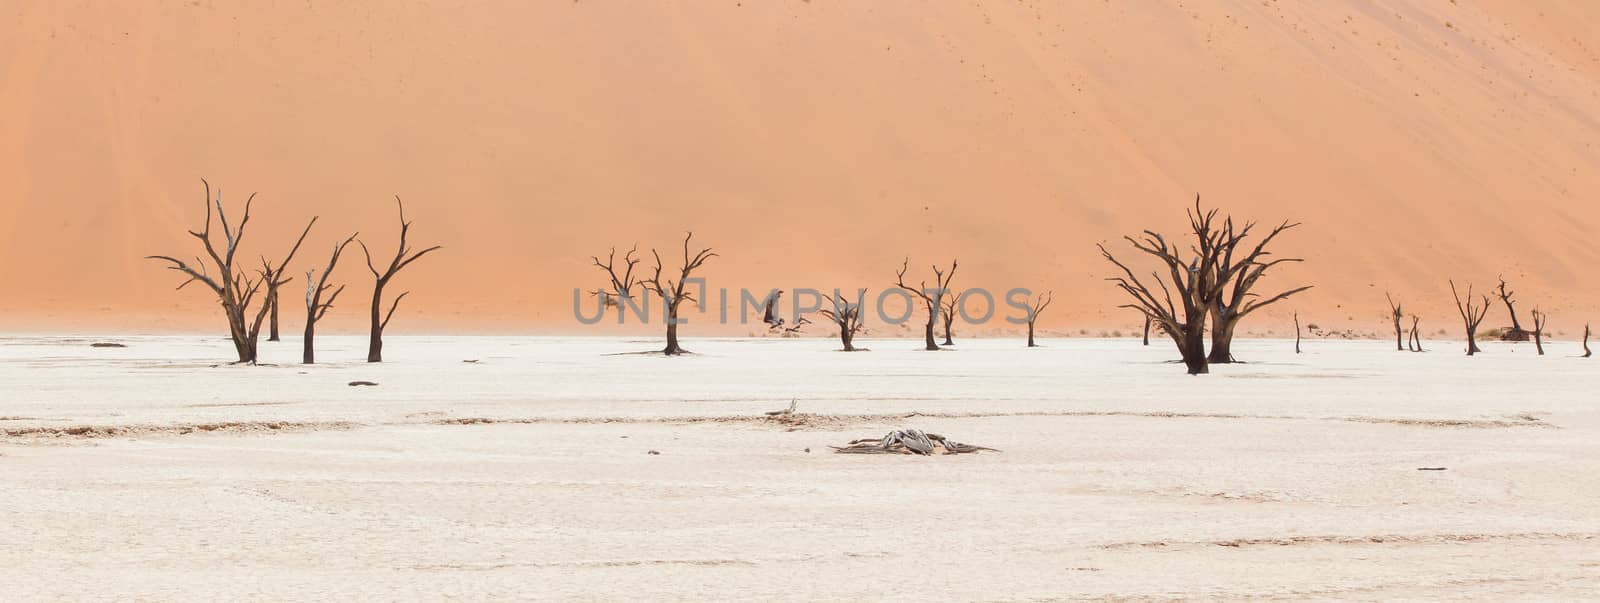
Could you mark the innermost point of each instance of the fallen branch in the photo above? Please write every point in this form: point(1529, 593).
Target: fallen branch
point(908, 441)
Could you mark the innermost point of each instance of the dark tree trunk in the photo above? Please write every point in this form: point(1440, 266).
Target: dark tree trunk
point(1538, 340)
point(1030, 335)
point(272, 317)
point(947, 323)
point(1297, 332)
point(1586, 352)
point(672, 348)
point(1472, 343)
point(1147, 329)
point(375, 336)
point(1193, 349)
point(927, 336)
point(308, 353)
point(1398, 345)
point(1221, 340)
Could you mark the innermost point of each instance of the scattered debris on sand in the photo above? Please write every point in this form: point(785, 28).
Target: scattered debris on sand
point(107, 344)
point(363, 383)
point(1430, 468)
point(909, 441)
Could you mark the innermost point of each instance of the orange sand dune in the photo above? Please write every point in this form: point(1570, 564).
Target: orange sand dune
point(812, 143)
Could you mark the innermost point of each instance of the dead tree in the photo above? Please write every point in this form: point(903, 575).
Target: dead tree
point(1586, 352)
point(1538, 329)
point(948, 309)
point(315, 305)
point(1471, 316)
point(1236, 299)
point(931, 298)
point(1195, 280)
point(621, 284)
point(232, 285)
point(1516, 333)
point(1297, 332)
point(403, 257)
point(847, 316)
point(1415, 342)
point(1039, 304)
point(1147, 330)
point(674, 292)
point(1395, 313)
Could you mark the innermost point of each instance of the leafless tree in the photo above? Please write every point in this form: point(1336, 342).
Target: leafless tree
point(1194, 279)
point(847, 316)
point(1538, 329)
point(1147, 329)
point(1395, 313)
point(315, 305)
point(622, 283)
point(274, 279)
point(1297, 332)
point(1039, 304)
point(1235, 302)
point(1471, 315)
point(931, 298)
point(403, 256)
point(1516, 333)
point(948, 314)
point(674, 292)
point(1586, 352)
point(232, 285)
point(1415, 342)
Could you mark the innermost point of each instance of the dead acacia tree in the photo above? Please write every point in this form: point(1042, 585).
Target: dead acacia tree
point(273, 280)
point(1395, 313)
point(403, 256)
point(932, 299)
point(1039, 304)
point(1471, 316)
point(1193, 279)
point(1538, 329)
point(1516, 333)
point(948, 310)
point(1415, 342)
point(1238, 275)
point(232, 285)
point(1297, 332)
point(673, 292)
point(847, 316)
point(1586, 352)
point(621, 284)
point(1147, 330)
point(315, 305)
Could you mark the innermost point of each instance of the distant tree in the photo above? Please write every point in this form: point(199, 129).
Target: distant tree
point(232, 285)
point(847, 317)
point(1471, 316)
point(403, 257)
point(1245, 267)
point(673, 292)
point(1516, 333)
point(1039, 304)
point(1297, 332)
point(1194, 279)
point(1586, 352)
point(1538, 329)
point(1415, 342)
point(948, 314)
point(1147, 329)
point(316, 307)
point(622, 283)
point(931, 298)
point(1395, 313)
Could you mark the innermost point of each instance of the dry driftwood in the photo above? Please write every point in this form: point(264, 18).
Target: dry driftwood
point(908, 441)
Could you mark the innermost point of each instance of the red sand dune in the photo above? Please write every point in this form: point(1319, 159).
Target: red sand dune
point(812, 143)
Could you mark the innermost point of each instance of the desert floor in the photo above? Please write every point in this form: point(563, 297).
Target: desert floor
point(154, 471)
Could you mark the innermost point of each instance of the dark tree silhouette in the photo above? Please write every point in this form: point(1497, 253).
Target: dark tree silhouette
point(847, 317)
point(403, 256)
point(1194, 280)
point(948, 314)
point(234, 288)
point(1039, 304)
point(315, 305)
point(1395, 313)
point(931, 298)
point(1538, 329)
point(674, 292)
point(1586, 352)
point(273, 280)
point(1516, 333)
point(621, 284)
point(1471, 316)
point(1415, 342)
point(1245, 266)
point(1297, 332)
point(1147, 329)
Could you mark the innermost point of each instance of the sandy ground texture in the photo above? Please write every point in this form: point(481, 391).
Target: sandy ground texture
point(154, 472)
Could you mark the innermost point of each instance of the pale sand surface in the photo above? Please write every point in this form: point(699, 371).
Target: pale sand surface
point(1292, 476)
